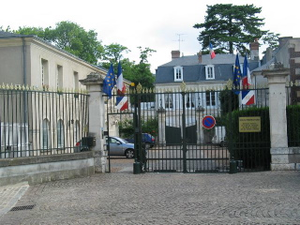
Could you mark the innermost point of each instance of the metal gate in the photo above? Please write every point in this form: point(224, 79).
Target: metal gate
point(184, 143)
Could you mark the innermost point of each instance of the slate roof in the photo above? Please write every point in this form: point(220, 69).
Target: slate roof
point(193, 71)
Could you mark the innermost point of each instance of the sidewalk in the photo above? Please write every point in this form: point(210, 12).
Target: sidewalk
point(159, 198)
point(10, 195)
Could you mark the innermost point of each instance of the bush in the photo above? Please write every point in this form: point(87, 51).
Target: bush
point(253, 148)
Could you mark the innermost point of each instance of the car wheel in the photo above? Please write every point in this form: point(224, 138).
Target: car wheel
point(129, 154)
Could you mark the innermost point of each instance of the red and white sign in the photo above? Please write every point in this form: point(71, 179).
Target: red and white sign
point(208, 122)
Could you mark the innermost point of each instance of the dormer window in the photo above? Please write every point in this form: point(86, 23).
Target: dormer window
point(210, 72)
point(178, 73)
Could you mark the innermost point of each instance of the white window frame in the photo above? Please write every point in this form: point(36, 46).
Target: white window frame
point(190, 100)
point(178, 73)
point(44, 73)
point(210, 72)
point(210, 98)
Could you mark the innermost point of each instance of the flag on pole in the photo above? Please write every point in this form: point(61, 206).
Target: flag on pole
point(122, 101)
point(237, 75)
point(109, 82)
point(248, 96)
point(212, 52)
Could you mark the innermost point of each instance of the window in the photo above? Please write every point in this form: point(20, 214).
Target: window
point(44, 73)
point(210, 72)
point(168, 101)
point(190, 100)
point(59, 77)
point(46, 135)
point(178, 73)
point(77, 130)
point(60, 134)
point(76, 81)
point(210, 98)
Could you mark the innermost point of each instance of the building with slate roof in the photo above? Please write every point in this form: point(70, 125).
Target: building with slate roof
point(200, 72)
point(288, 55)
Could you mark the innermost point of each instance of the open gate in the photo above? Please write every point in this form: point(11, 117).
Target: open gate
point(184, 143)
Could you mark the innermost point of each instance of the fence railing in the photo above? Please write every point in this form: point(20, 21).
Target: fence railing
point(36, 122)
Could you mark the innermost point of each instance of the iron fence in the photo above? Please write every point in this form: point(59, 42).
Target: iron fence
point(36, 122)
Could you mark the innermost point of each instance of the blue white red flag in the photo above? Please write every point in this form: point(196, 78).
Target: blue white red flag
point(212, 52)
point(248, 96)
point(237, 76)
point(122, 101)
point(109, 82)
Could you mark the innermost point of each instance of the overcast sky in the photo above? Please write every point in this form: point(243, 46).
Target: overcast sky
point(157, 24)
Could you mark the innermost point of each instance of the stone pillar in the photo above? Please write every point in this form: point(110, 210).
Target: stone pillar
point(278, 122)
point(161, 126)
point(200, 132)
point(94, 84)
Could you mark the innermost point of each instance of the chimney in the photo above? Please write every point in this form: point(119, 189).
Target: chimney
point(175, 54)
point(254, 50)
point(199, 57)
point(269, 54)
point(284, 40)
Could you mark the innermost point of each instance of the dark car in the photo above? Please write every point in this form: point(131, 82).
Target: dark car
point(147, 139)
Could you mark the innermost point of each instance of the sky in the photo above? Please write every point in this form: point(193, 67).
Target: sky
point(161, 25)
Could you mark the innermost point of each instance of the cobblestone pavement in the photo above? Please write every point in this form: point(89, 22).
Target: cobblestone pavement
point(122, 197)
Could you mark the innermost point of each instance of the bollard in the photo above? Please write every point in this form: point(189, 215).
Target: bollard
point(233, 166)
point(136, 168)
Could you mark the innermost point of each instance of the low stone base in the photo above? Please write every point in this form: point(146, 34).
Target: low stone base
point(283, 166)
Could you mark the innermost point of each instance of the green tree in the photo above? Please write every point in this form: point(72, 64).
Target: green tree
point(230, 26)
point(141, 73)
point(70, 37)
point(113, 53)
point(229, 101)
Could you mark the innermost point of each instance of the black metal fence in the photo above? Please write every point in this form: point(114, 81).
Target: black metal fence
point(35, 122)
point(198, 130)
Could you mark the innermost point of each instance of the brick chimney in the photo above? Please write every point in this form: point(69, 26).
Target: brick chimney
point(254, 50)
point(199, 54)
point(175, 54)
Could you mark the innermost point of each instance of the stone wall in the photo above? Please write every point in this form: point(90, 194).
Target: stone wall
point(46, 168)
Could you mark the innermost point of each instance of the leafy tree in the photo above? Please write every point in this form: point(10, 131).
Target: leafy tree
point(229, 101)
point(70, 37)
point(141, 73)
point(113, 53)
point(230, 26)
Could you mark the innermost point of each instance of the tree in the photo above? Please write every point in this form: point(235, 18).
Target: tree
point(230, 26)
point(70, 37)
point(141, 73)
point(113, 53)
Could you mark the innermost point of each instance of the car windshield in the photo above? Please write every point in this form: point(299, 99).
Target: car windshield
point(117, 139)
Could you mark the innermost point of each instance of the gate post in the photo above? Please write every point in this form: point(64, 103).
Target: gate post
point(200, 133)
point(94, 84)
point(278, 122)
point(161, 126)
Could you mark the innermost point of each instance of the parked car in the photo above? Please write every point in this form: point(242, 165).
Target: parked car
point(120, 147)
point(146, 139)
point(117, 147)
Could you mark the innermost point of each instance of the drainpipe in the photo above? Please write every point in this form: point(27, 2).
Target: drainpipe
point(24, 62)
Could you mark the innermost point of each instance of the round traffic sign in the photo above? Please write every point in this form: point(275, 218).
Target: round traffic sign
point(208, 122)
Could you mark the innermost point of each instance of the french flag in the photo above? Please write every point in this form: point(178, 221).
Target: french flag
point(122, 101)
point(212, 52)
point(248, 96)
